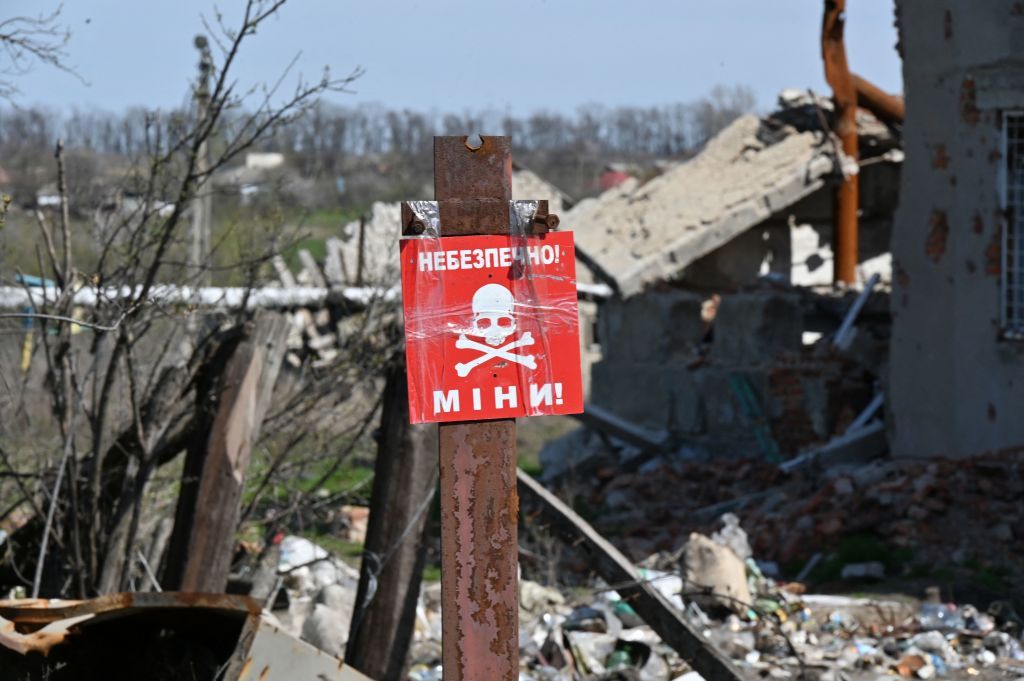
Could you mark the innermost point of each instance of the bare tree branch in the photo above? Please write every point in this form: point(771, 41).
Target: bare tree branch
point(29, 40)
point(142, 400)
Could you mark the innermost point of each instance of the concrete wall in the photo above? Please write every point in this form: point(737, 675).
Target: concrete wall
point(657, 372)
point(955, 388)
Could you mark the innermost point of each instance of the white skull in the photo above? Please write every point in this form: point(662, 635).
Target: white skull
point(493, 318)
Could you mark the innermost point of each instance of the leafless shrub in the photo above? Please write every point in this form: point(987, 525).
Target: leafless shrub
point(126, 396)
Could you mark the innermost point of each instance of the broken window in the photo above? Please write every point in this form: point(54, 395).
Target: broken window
point(1012, 192)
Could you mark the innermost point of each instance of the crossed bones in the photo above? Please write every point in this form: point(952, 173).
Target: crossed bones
point(463, 343)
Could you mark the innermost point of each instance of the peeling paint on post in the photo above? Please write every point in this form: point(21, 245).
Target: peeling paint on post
point(479, 507)
point(479, 501)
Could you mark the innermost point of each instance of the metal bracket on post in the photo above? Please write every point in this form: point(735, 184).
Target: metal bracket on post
point(470, 216)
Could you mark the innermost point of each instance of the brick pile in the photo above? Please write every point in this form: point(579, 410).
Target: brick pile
point(937, 511)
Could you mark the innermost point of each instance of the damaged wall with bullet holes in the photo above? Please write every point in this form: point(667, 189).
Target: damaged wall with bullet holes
point(957, 377)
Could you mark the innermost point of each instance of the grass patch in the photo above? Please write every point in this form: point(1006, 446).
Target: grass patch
point(354, 475)
point(533, 433)
point(349, 551)
point(316, 247)
point(332, 219)
point(351, 475)
point(861, 548)
point(432, 573)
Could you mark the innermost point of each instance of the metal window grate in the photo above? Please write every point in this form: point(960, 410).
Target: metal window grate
point(1012, 190)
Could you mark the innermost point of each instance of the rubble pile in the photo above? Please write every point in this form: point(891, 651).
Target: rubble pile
point(961, 512)
point(768, 628)
point(317, 595)
point(728, 591)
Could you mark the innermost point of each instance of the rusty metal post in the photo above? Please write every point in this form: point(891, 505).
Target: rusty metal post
point(479, 501)
point(885, 107)
point(837, 73)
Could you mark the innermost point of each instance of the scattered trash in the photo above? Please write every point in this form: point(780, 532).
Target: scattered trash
point(741, 607)
point(586, 619)
point(733, 536)
point(298, 552)
point(937, 615)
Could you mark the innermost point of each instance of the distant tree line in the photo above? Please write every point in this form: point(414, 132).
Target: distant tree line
point(331, 140)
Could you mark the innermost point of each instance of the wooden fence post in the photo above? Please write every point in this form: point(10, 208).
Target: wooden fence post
point(404, 483)
point(203, 540)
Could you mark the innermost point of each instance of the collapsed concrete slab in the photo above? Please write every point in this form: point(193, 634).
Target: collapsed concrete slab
point(651, 232)
point(752, 201)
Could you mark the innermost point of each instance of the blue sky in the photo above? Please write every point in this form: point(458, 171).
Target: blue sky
point(454, 55)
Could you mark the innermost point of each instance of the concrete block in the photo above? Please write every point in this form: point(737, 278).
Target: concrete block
point(685, 415)
point(578, 450)
point(680, 313)
point(610, 335)
point(635, 392)
point(654, 326)
point(753, 328)
point(721, 407)
point(735, 263)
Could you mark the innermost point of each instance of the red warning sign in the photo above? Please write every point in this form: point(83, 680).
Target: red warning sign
point(491, 327)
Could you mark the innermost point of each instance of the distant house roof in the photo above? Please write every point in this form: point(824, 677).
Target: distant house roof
point(612, 177)
point(239, 176)
point(48, 195)
point(265, 160)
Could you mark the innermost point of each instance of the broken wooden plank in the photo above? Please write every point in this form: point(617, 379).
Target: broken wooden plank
point(617, 570)
point(284, 274)
point(312, 269)
point(649, 443)
point(288, 281)
point(206, 518)
point(334, 263)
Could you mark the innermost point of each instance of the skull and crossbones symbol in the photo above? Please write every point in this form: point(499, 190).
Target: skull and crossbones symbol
point(493, 321)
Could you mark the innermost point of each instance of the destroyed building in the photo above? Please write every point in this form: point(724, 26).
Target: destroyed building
point(743, 207)
point(957, 377)
point(722, 268)
point(365, 251)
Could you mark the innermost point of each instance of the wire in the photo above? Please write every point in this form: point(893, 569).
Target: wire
point(59, 318)
point(373, 570)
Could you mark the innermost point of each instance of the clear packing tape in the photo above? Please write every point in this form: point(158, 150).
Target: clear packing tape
point(492, 322)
